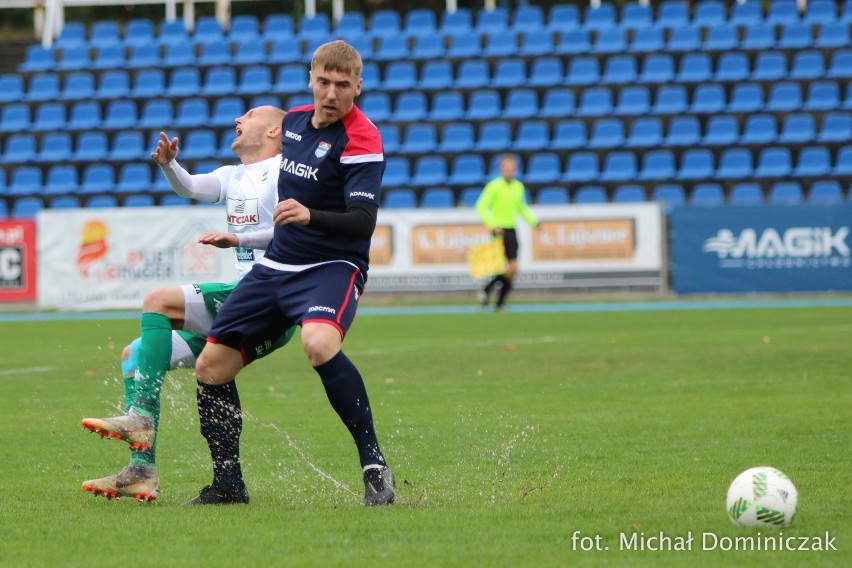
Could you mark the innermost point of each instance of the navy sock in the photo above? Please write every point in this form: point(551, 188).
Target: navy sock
point(504, 292)
point(221, 419)
point(348, 396)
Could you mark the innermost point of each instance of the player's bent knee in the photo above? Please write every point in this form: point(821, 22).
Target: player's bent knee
point(321, 341)
point(218, 364)
point(167, 301)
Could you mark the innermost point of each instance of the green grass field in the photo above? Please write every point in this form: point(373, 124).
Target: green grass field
point(507, 432)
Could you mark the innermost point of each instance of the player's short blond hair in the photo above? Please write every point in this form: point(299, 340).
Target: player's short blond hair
point(338, 56)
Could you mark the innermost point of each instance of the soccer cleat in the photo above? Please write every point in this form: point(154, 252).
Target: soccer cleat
point(378, 486)
point(136, 430)
point(482, 298)
point(137, 481)
point(212, 495)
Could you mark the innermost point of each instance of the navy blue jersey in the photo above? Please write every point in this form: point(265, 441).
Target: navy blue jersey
point(326, 169)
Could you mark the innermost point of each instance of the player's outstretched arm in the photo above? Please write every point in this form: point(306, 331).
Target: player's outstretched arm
point(251, 239)
point(166, 150)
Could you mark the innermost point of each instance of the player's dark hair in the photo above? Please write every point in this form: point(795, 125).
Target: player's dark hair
point(339, 56)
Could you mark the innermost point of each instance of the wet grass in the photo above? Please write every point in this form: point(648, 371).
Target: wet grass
point(507, 432)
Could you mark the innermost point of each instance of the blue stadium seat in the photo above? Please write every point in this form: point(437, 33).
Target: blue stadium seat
point(774, 162)
point(746, 14)
point(399, 76)
point(494, 21)
point(277, 27)
point(611, 40)
point(351, 25)
point(658, 165)
point(156, 114)
point(708, 98)
point(670, 195)
point(683, 131)
point(101, 201)
point(220, 81)
point(79, 85)
point(820, 12)
point(397, 172)
point(385, 23)
point(84, 115)
point(746, 98)
point(437, 198)
point(249, 52)
point(149, 83)
point(73, 59)
point(484, 105)
point(469, 196)
point(134, 177)
point(91, 147)
point(843, 163)
point(436, 75)
point(532, 135)
point(799, 128)
point(291, 79)
point(658, 68)
point(179, 54)
point(696, 163)
point(113, 84)
point(38, 58)
point(145, 55)
point(545, 167)
point(457, 137)
point(410, 106)
point(120, 113)
point(446, 106)
point(192, 112)
point(25, 180)
point(255, 80)
point(735, 163)
point(595, 101)
point(825, 192)
point(784, 96)
point(635, 16)
point(695, 68)
point(709, 14)
point(139, 200)
point(759, 129)
point(509, 72)
point(15, 117)
point(746, 193)
point(822, 95)
point(563, 17)
point(61, 179)
point(65, 202)
point(528, 19)
point(420, 22)
point(49, 116)
point(759, 37)
point(371, 76)
point(400, 199)
point(184, 82)
point(199, 144)
point(721, 130)
point(807, 65)
point(392, 48)
point(707, 195)
point(419, 139)
point(214, 54)
point(573, 42)
point(645, 132)
point(458, 23)
point(172, 32)
point(786, 193)
point(11, 87)
point(128, 145)
point(630, 193)
point(833, 35)
point(520, 104)
point(721, 39)
point(583, 70)
point(97, 178)
point(552, 195)
point(619, 166)
point(582, 166)
point(535, 44)
point(607, 133)
point(494, 136)
point(43, 87)
point(732, 67)
point(208, 31)
point(684, 39)
point(139, 31)
point(620, 69)
point(633, 101)
point(557, 103)
point(174, 200)
point(245, 28)
point(813, 161)
point(795, 36)
point(428, 47)
point(670, 100)
point(600, 18)
point(26, 207)
point(473, 74)
point(590, 194)
point(376, 106)
point(546, 72)
point(55, 147)
point(769, 66)
point(647, 40)
point(840, 66)
point(464, 47)
point(285, 50)
point(226, 110)
point(569, 134)
point(836, 127)
point(467, 169)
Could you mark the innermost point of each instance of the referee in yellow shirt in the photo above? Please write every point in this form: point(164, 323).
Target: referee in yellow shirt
point(502, 199)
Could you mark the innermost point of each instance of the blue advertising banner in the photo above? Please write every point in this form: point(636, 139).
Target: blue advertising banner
point(771, 248)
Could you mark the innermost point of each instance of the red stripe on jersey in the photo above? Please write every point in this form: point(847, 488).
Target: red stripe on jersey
point(364, 137)
point(302, 108)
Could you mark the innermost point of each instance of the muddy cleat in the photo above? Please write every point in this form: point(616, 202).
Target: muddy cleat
point(137, 481)
point(482, 299)
point(212, 495)
point(135, 429)
point(378, 486)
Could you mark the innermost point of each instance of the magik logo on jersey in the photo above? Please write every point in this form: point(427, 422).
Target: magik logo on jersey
point(242, 211)
point(322, 149)
point(300, 170)
point(293, 136)
point(322, 309)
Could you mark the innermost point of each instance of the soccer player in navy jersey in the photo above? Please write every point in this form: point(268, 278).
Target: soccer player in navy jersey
point(315, 267)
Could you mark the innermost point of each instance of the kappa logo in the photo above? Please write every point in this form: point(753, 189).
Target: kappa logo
point(322, 149)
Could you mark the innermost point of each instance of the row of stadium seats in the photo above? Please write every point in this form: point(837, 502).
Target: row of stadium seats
point(544, 72)
point(757, 129)
point(416, 106)
point(463, 22)
point(394, 48)
point(670, 195)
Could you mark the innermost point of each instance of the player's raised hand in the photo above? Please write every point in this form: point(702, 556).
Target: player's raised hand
point(219, 240)
point(166, 150)
point(291, 211)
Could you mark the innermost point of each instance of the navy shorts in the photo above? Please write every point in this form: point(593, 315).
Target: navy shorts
point(510, 243)
point(267, 301)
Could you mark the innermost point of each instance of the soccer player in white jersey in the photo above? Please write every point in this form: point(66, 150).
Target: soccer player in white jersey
point(175, 320)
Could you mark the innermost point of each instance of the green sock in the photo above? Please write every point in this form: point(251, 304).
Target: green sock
point(155, 354)
point(129, 391)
